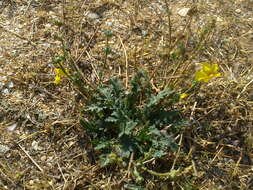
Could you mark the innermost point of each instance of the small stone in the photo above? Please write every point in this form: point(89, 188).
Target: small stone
point(238, 11)
point(31, 182)
point(6, 91)
point(48, 25)
point(144, 32)
point(3, 149)
point(10, 84)
point(12, 127)
point(218, 19)
point(35, 145)
point(109, 23)
point(92, 15)
point(43, 158)
point(183, 12)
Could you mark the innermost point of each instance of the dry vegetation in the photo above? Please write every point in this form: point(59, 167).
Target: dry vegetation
point(43, 146)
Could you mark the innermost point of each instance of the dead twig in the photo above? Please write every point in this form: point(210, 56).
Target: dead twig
point(33, 161)
point(126, 60)
point(178, 153)
point(244, 89)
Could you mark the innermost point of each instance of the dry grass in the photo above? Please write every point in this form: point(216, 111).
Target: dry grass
point(39, 120)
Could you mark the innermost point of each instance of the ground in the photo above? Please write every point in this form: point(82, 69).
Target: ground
point(42, 144)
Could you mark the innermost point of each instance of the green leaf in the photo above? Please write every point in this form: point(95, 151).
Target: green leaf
point(144, 135)
point(157, 99)
point(95, 108)
point(58, 59)
point(158, 153)
point(111, 119)
point(128, 145)
point(154, 131)
point(88, 126)
point(103, 145)
point(108, 33)
point(138, 177)
point(127, 128)
point(107, 50)
point(105, 160)
point(161, 118)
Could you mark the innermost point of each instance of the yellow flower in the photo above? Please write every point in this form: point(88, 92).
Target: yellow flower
point(207, 72)
point(57, 79)
point(59, 74)
point(183, 95)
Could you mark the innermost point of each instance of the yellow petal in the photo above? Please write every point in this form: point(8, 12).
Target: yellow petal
point(183, 95)
point(60, 72)
point(201, 76)
point(57, 79)
point(207, 72)
point(215, 67)
point(217, 74)
point(57, 70)
point(207, 68)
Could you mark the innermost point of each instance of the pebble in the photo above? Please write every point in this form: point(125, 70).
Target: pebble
point(3, 149)
point(183, 12)
point(238, 11)
point(219, 19)
point(12, 127)
point(92, 15)
point(35, 145)
point(6, 91)
point(43, 158)
point(10, 84)
point(31, 182)
point(144, 32)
